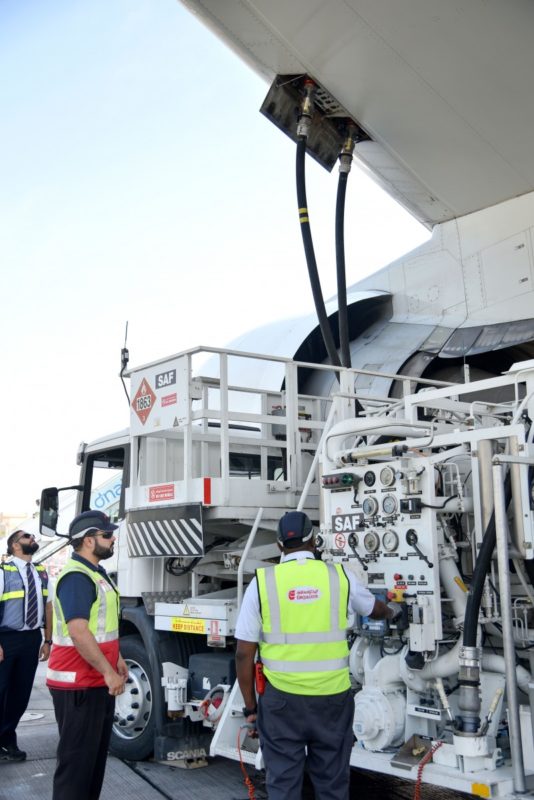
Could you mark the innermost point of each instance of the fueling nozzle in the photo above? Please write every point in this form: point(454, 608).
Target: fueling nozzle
point(345, 156)
point(306, 109)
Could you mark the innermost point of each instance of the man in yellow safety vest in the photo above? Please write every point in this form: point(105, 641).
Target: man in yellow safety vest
point(24, 609)
point(296, 613)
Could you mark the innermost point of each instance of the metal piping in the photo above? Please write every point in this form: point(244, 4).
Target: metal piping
point(518, 530)
point(505, 592)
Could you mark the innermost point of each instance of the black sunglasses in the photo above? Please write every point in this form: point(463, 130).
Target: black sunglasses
point(25, 536)
point(106, 535)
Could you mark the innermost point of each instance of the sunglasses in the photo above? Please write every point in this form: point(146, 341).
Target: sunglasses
point(107, 535)
point(26, 536)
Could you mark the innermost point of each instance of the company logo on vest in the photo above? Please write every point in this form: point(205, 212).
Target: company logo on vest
point(304, 594)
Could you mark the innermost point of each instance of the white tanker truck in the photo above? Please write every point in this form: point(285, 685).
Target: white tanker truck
point(427, 497)
point(402, 424)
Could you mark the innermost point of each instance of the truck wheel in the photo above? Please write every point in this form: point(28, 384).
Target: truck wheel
point(132, 736)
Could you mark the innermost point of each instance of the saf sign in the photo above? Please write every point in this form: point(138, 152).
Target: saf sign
point(143, 401)
point(165, 379)
point(343, 523)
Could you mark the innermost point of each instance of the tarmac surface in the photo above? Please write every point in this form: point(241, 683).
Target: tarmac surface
point(220, 780)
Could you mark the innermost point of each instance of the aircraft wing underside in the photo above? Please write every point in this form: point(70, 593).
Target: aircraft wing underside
point(442, 88)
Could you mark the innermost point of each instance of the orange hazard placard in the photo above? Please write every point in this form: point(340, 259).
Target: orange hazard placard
point(144, 400)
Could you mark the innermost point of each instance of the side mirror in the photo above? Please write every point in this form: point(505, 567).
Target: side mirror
point(48, 511)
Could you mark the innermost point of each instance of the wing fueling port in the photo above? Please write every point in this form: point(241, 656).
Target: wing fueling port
point(329, 124)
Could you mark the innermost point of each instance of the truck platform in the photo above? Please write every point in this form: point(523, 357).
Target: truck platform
point(220, 780)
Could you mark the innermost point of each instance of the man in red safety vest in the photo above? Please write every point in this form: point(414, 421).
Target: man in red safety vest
point(86, 671)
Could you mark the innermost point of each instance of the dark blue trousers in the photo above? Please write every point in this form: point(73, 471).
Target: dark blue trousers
point(17, 672)
point(84, 718)
point(300, 732)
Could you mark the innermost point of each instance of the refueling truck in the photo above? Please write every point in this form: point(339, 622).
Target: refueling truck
point(428, 498)
point(401, 424)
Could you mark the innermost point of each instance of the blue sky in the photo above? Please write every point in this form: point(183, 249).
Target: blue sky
point(139, 182)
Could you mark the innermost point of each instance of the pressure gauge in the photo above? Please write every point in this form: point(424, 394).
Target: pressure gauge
point(370, 506)
point(389, 505)
point(390, 541)
point(387, 476)
point(369, 478)
point(371, 541)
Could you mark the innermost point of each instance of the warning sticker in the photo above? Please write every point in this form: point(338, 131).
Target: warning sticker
point(340, 541)
point(144, 400)
point(187, 625)
point(169, 399)
point(165, 491)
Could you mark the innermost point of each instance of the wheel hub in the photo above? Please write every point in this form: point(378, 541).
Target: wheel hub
point(134, 706)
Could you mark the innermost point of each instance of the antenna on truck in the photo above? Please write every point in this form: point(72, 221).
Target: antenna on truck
point(125, 357)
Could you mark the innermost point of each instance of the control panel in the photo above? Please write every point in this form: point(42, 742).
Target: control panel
point(380, 516)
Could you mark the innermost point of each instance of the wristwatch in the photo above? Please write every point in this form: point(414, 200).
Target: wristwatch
point(248, 711)
point(47, 641)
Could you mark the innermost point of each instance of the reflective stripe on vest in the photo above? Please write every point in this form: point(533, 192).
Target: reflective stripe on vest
point(63, 677)
point(66, 667)
point(12, 599)
point(303, 644)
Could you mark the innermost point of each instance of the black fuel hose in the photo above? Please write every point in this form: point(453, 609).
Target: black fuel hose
point(529, 567)
point(311, 262)
point(482, 567)
point(340, 271)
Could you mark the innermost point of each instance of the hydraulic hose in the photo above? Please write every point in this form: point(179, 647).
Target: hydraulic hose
point(345, 163)
point(529, 568)
point(340, 270)
point(311, 262)
point(482, 566)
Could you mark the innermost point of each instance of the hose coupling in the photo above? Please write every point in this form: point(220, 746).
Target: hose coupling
point(469, 657)
point(306, 109)
point(469, 695)
point(345, 156)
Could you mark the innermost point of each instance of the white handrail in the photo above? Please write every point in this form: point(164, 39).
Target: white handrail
point(241, 567)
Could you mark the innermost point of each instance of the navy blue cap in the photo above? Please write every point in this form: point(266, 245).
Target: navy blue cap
point(294, 528)
point(90, 521)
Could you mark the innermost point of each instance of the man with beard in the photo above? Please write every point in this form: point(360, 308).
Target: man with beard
point(24, 610)
point(86, 671)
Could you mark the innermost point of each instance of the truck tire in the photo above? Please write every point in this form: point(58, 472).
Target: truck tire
point(132, 737)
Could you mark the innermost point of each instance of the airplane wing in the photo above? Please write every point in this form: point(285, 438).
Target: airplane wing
point(442, 88)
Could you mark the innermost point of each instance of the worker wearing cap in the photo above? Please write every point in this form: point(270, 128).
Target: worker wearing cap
point(86, 671)
point(24, 610)
point(297, 614)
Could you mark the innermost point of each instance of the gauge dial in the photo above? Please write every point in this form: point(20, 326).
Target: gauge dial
point(389, 504)
point(390, 541)
point(371, 541)
point(387, 476)
point(370, 506)
point(369, 478)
